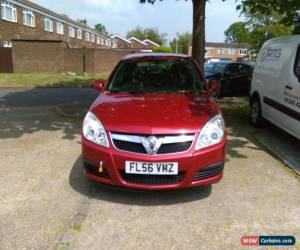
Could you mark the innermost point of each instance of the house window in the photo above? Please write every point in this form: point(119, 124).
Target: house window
point(9, 11)
point(71, 31)
point(229, 52)
point(218, 51)
point(102, 41)
point(79, 34)
point(92, 38)
point(59, 28)
point(243, 52)
point(223, 51)
point(98, 39)
point(233, 51)
point(48, 23)
point(28, 18)
point(87, 36)
point(7, 44)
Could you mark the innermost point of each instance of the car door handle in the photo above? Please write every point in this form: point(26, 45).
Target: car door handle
point(288, 87)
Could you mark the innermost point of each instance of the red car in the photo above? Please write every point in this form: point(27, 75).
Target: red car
point(154, 126)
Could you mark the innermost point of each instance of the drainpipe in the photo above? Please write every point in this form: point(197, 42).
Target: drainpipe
point(84, 60)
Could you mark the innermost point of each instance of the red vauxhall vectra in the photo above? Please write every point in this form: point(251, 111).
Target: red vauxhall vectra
point(154, 126)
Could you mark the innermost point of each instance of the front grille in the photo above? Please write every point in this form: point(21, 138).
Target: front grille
point(174, 147)
point(130, 146)
point(152, 179)
point(209, 172)
point(92, 168)
point(165, 148)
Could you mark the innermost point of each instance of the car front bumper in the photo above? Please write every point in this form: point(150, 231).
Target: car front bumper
point(196, 168)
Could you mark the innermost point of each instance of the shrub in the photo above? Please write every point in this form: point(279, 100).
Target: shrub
point(163, 50)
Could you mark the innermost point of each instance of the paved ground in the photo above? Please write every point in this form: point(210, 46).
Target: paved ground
point(45, 97)
point(46, 203)
point(283, 145)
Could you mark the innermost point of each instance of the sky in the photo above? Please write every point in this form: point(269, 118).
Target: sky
point(169, 16)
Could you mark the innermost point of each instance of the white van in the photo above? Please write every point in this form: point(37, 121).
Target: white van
point(275, 88)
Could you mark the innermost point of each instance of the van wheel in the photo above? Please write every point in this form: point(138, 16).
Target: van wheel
point(256, 118)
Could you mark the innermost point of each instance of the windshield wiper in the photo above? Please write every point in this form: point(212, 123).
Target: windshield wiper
point(126, 91)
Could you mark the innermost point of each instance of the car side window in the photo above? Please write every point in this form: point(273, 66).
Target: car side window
point(231, 69)
point(297, 64)
point(244, 68)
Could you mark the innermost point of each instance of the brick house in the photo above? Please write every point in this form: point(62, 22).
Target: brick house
point(137, 44)
point(231, 51)
point(134, 43)
point(150, 44)
point(122, 42)
point(25, 20)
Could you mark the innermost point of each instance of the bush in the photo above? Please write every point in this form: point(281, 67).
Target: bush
point(163, 50)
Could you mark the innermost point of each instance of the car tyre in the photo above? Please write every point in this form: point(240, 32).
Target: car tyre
point(255, 117)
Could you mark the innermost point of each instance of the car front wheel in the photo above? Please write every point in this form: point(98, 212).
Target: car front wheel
point(256, 118)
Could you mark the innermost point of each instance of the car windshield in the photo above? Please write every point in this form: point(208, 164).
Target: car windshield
point(214, 67)
point(156, 76)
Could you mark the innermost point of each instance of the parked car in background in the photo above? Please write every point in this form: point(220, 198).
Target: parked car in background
point(250, 63)
point(275, 89)
point(212, 60)
point(155, 126)
point(235, 77)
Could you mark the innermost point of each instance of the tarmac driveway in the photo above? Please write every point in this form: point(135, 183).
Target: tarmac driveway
point(46, 203)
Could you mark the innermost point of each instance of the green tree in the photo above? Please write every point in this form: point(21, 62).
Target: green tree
point(147, 33)
point(258, 29)
point(154, 35)
point(265, 27)
point(137, 32)
point(181, 43)
point(101, 28)
point(289, 10)
point(237, 33)
point(198, 41)
point(83, 22)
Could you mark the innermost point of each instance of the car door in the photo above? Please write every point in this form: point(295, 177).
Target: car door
point(245, 76)
point(231, 78)
point(292, 95)
point(286, 102)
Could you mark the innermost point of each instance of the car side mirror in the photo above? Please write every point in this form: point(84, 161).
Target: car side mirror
point(98, 85)
point(213, 86)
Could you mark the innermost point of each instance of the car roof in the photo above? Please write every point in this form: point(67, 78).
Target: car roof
point(139, 56)
point(221, 62)
point(284, 40)
point(228, 62)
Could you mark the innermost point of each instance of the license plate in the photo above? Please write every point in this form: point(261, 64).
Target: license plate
point(153, 168)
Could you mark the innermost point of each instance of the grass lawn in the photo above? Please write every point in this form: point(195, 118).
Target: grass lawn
point(47, 80)
point(236, 113)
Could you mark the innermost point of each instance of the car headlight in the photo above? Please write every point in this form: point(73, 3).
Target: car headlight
point(94, 131)
point(212, 133)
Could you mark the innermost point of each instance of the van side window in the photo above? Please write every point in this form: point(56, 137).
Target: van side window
point(297, 64)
